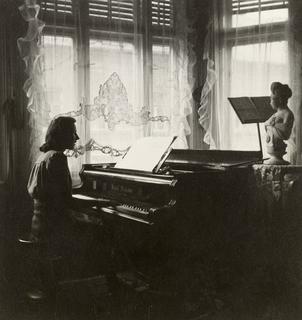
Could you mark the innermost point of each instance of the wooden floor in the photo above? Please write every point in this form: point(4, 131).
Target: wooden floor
point(127, 297)
point(96, 298)
point(205, 291)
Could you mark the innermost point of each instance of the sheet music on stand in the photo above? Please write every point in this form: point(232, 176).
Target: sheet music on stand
point(147, 154)
point(253, 110)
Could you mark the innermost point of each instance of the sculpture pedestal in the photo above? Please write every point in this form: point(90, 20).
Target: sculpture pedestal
point(275, 238)
point(276, 152)
point(276, 160)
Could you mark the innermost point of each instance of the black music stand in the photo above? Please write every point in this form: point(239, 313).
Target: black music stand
point(253, 110)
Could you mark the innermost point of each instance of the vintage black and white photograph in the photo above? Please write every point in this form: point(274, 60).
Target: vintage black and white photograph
point(150, 159)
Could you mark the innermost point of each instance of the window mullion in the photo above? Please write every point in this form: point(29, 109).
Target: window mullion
point(82, 43)
point(82, 37)
point(147, 56)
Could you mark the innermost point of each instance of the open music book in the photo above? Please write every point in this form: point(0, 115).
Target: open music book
point(252, 109)
point(147, 154)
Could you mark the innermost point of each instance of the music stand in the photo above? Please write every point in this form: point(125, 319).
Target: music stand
point(252, 110)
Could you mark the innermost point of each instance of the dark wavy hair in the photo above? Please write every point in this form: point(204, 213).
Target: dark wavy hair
point(58, 133)
point(282, 91)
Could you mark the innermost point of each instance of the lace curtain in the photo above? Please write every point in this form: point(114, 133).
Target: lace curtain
point(247, 48)
point(120, 68)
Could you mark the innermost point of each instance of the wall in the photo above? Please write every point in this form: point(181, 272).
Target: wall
point(14, 117)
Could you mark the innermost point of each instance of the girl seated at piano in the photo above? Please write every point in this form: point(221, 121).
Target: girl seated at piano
point(50, 183)
point(54, 223)
point(50, 186)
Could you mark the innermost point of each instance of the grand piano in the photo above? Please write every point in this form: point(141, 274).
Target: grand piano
point(157, 223)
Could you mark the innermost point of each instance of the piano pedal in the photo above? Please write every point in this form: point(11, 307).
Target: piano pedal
point(86, 218)
point(132, 280)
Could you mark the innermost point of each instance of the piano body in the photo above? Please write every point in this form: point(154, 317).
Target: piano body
point(159, 223)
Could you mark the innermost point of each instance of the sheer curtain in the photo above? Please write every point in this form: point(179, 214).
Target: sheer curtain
point(246, 50)
point(119, 67)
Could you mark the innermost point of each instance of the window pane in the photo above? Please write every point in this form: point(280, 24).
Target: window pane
point(108, 57)
point(254, 68)
point(259, 17)
point(60, 76)
point(162, 86)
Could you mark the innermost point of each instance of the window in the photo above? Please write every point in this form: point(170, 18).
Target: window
point(258, 54)
point(60, 79)
point(112, 10)
point(132, 38)
point(57, 6)
point(253, 12)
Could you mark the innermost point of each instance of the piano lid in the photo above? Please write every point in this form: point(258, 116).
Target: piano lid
point(179, 161)
point(206, 158)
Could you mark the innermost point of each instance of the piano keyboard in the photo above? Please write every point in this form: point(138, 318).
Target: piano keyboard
point(137, 211)
point(126, 208)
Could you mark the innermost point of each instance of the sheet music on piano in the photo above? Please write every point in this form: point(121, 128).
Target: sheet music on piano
point(147, 154)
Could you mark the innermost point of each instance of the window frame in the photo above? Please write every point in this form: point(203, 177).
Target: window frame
point(82, 28)
point(79, 22)
point(238, 36)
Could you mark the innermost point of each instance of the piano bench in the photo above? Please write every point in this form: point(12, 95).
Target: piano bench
point(37, 278)
point(39, 271)
point(47, 294)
